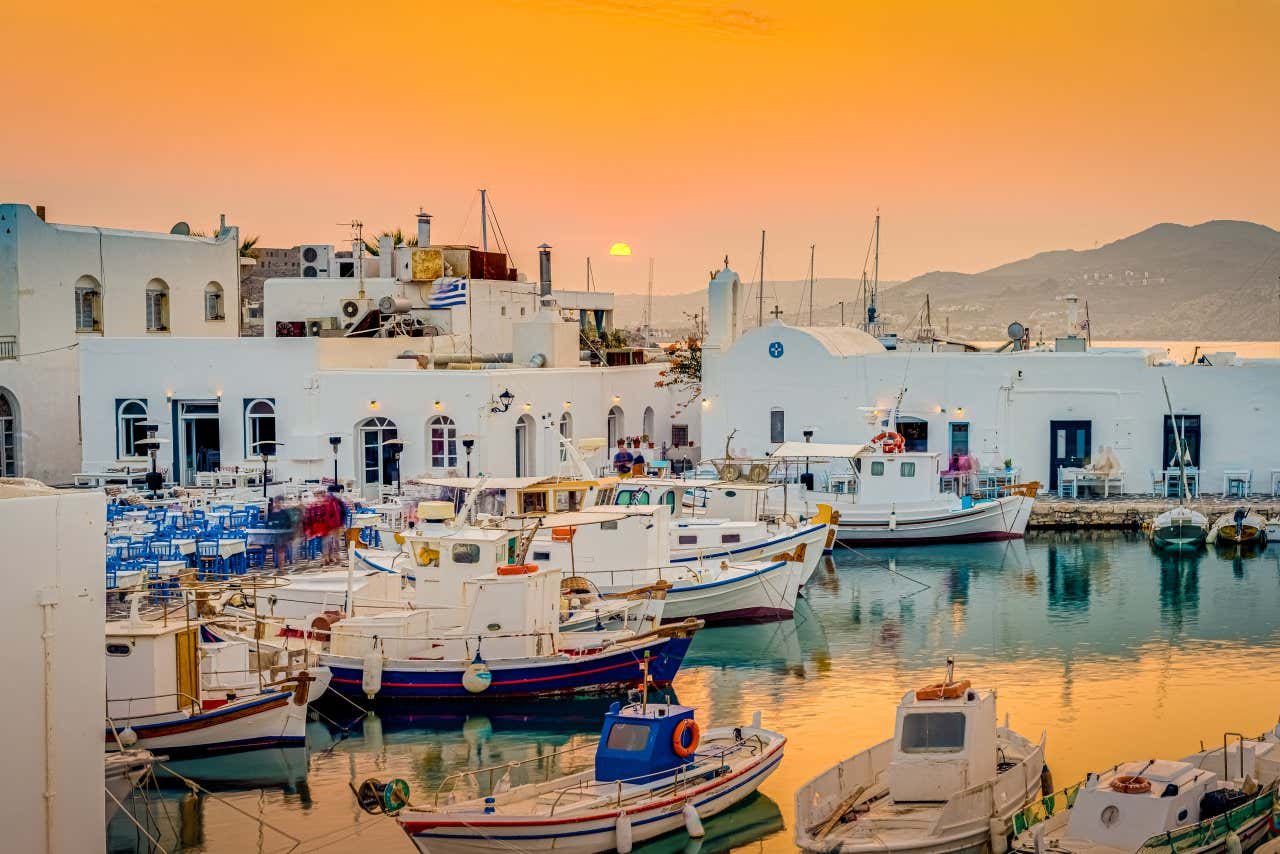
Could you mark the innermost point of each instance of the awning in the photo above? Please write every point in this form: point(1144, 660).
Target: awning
point(800, 450)
point(570, 520)
point(473, 482)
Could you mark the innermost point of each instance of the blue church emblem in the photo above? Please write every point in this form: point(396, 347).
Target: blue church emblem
point(775, 349)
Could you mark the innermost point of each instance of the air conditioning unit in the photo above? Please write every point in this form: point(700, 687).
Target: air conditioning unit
point(352, 309)
point(314, 261)
point(317, 326)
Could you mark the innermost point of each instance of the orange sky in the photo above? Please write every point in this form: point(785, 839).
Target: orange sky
point(983, 131)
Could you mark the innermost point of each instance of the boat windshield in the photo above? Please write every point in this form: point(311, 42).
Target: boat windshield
point(628, 737)
point(934, 732)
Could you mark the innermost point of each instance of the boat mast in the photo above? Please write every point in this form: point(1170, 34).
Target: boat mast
point(1177, 444)
point(811, 248)
point(760, 312)
point(648, 310)
point(484, 220)
point(875, 277)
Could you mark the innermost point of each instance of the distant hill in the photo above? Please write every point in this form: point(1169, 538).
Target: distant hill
point(1216, 280)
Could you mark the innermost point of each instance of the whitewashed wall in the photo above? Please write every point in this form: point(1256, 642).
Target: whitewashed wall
point(54, 552)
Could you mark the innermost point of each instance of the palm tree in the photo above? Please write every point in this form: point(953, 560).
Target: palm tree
point(246, 246)
point(371, 248)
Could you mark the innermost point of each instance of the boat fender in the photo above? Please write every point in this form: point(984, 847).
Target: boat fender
point(128, 737)
point(693, 822)
point(371, 677)
point(755, 719)
point(477, 677)
point(1046, 781)
point(999, 840)
point(622, 833)
point(489, 808)
point(678, 746)
point(1233, 843)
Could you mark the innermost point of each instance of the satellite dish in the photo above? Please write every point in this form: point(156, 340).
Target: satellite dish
point(181, 228)
point(1016, 331)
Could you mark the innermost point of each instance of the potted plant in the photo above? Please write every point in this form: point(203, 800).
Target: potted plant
point(1008, 464)
point(645, 438)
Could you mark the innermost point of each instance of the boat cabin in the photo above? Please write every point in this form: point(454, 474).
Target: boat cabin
point(1124, 807)
point(642, 743)
point(152, 668)
point(944, 741)
point(521, 496)
point(443, 563)
point(898, 478)
point(616, 540)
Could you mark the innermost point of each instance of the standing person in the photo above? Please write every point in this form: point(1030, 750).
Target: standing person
point(622, 459)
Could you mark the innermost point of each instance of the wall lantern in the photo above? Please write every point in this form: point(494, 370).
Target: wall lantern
point(504, 401)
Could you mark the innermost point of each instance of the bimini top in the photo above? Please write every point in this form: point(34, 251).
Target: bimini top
point(800, 450)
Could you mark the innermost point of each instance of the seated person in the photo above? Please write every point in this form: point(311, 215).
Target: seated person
point(622, 459)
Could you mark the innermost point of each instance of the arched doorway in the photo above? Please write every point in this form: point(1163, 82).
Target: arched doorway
point(377, 461)
point(566, 430)
point(525, 462)
point(617, 426)
point(647, 421)
point(9, 435)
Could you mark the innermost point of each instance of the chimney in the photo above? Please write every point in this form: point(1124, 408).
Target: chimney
point(424, 229)
point(544, 270)
point(40, 212)
point(1073, 313)
point(387, 256)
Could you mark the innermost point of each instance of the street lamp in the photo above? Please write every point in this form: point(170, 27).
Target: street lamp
point(152, 444)
point(807, 480)
point(468, 442)
point(504, 402)
point(266, 448)
point(334, 441)
point(396, 446)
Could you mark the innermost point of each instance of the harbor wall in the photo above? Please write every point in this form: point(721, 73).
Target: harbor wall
point(54, 549)
point(1130, 512)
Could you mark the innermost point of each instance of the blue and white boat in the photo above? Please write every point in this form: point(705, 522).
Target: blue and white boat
point(654, 774)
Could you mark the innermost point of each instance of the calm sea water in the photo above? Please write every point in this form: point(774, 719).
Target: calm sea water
point(1115, 651)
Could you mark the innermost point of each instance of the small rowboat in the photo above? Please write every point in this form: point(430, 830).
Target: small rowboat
point(653, 774)
point(1240, 528)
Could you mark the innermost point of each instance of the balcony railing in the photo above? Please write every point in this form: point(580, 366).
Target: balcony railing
point(8, 347)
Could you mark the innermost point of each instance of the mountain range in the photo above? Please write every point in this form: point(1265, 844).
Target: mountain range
point(1216, 280)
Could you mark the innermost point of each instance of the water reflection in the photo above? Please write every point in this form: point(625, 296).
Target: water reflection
point(1115, 649)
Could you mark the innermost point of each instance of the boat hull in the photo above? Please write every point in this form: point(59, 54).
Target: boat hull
point(1179, 535)
point(764, 595)
point(590, 833)
point(272, 719)
point(602, 672)
point(812, 537)
point(1002, 518)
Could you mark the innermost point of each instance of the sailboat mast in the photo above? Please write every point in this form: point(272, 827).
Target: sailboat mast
point(1177, 444)
point(760, 312)
point(811, 248)
point(648, 309)
point(484, 220)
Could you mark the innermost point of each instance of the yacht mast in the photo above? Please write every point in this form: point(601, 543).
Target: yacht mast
point(760, 312)
point(811, 248)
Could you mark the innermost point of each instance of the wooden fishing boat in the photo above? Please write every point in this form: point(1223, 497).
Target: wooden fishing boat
point(123, 771)
point(654, 774)
point(1240, 527)
point(1179, 527)
point(949, 780)
point(1211, 802)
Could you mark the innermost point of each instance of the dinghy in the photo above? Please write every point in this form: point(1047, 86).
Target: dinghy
point(654, 774)
point(950, 780)
point(1240, 527)
point(1211, 802)
point(1179, 527)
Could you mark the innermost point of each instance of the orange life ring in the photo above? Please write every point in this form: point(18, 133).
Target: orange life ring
point(517, 569)
point(1131, 785)
point(678, 746)
point(943, 690)
point(890, 442)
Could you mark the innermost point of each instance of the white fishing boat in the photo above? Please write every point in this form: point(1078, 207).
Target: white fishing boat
point(1179, 527)
point(123, 771)
point(893, 497)
point(1240, 527)
point(168, 694)
point(1211, 802)
point(949, 780)
point(654, 774)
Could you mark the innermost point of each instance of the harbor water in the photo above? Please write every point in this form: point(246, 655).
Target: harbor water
point(1116, 651)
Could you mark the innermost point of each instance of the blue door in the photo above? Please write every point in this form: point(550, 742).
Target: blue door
point(1070, 444)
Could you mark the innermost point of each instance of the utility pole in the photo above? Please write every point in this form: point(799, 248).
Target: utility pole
point(760, 312)
point(484, 220)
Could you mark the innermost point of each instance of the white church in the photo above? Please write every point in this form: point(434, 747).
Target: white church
point(1042, 409)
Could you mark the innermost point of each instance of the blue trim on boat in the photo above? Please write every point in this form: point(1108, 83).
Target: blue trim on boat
point(731, 552)
point(763, 570)
point(772, 763)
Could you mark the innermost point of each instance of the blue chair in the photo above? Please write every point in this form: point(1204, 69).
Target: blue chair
point(238, 519)
point(196, 516)
point(211, 561)
point(136, 550)
point(255, 515)
point(221, 508)
point(113, 571)
point(255, 556)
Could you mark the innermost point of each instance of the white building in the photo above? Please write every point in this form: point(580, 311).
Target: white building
point(1039, 408)
point(52, 613)
point(332, 399)
point(63, 285)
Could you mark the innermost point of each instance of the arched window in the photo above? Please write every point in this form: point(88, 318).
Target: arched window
point(157, 306)
point(8, 435)
point(88, 304)
point(377, 459)
point(130, 416)
point(525, 465)
point(442, 439)
point(616, 426)
point(213, 305)
point(647, 423)
point(259, 427)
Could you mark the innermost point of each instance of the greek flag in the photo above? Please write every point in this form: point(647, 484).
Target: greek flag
point(447, 293)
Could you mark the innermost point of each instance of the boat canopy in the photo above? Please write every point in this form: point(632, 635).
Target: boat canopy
point(812, 450)
point(487, 482)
